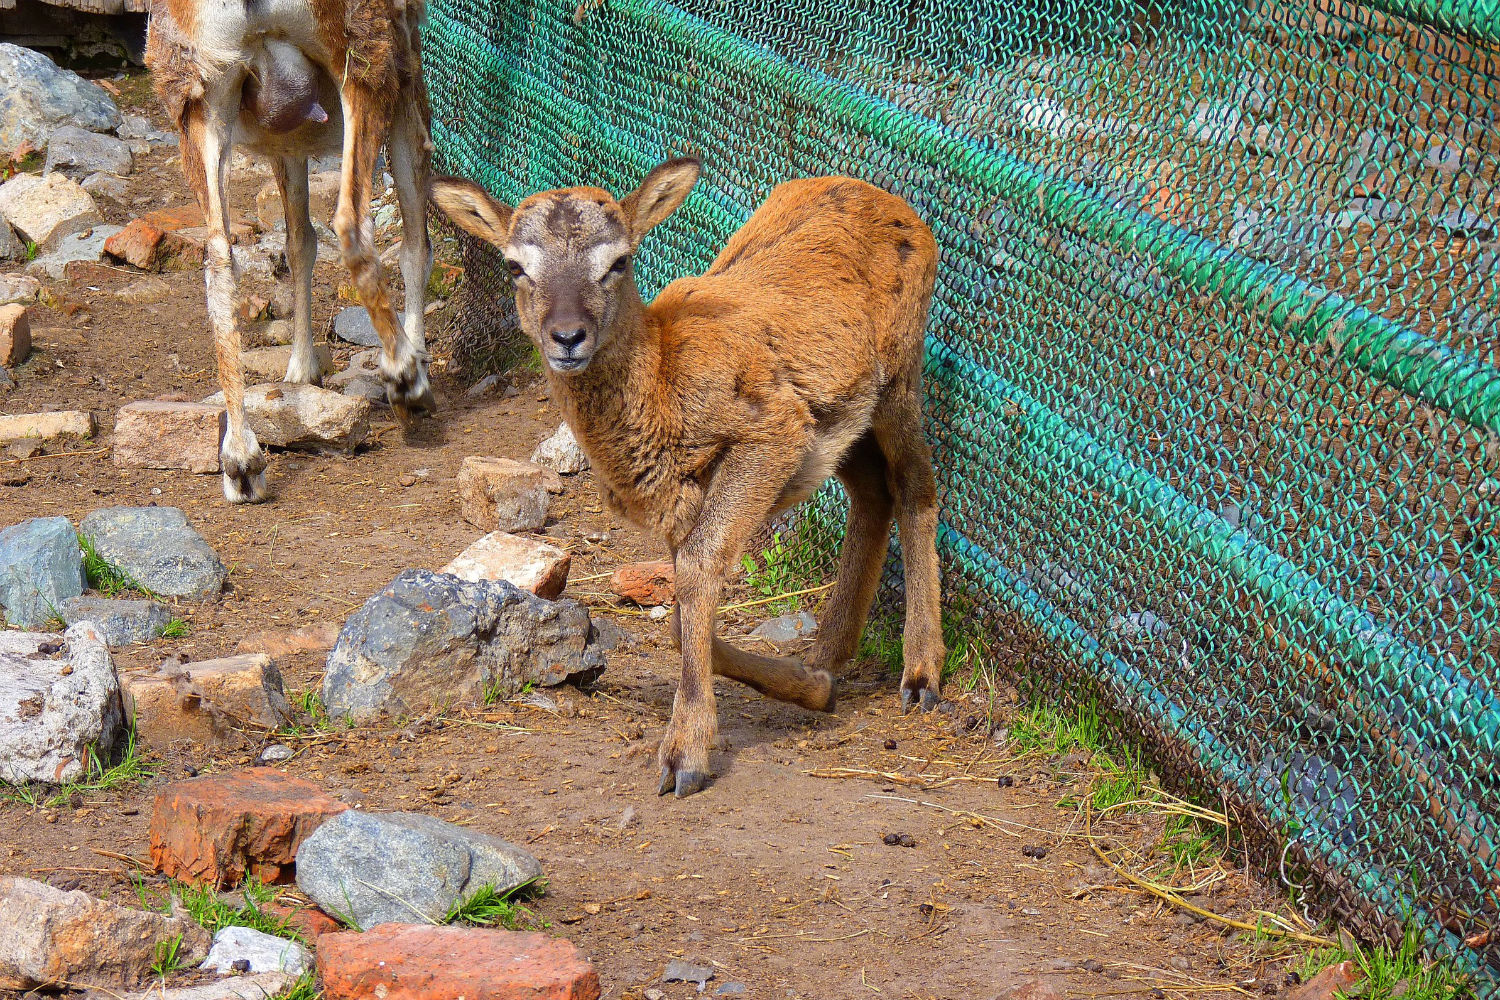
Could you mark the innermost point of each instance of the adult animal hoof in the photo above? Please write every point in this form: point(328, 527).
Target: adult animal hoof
point(682, 783)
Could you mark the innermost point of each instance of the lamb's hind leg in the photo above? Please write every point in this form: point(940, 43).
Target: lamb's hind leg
point(866, 537)
point(301, 254)
point(402, 367)
point(898, 428)
point(208, 128)
point(781, 677)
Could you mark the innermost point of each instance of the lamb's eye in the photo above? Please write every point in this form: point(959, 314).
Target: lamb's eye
point(515, 269)
point(619, 266)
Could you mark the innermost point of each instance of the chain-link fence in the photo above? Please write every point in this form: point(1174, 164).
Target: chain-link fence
point(1212, 362)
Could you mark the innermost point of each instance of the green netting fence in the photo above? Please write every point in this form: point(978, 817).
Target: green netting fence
point(1212, 365)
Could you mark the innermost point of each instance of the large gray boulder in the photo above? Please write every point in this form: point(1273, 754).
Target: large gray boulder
point(78, 152)
point(39, 95)
point(157, 547)
point(40, 568)
point(54, 712)
point(379, 868)
point(121, 622)
point(430, 639)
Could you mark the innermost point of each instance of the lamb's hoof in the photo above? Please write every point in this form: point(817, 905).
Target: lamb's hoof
point(245, 482)
point(682, 783)
point(304, 371)
point(832, 701)
point(410, 394)
point(926, 698)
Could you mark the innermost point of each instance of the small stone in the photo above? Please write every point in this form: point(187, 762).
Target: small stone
point(379, 868)
point(1092, 965)
point(78, 152)
point(110, 187)
point(121, 622)
point(250, 987)
point(678, 971)
point(158, 548)
point(1033, 989)
point(315, 638)
point(499, 494)
point(15, 335)
point(422, 962)
point(370, 390)
point(44, 209)
point(890, 744)
point(1179, 962)
point(40, 567)
point(154, 434)
point(529, 563)
point(731, 990)
point(145, 292)
point(54, 712)
point(49, 938)
point(1465, 224)
point(276, 753)
point(364, 364)
point(244, 949)
point(291, 415)
point(20, 288)
point(787, 627)
point(433, 639)
point(269, 364)
point(561, 453)
point(483, 386)
point(647, 584)
point(219, 828)
point(353, 325)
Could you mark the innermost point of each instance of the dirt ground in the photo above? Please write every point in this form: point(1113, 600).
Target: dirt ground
point(777, 875)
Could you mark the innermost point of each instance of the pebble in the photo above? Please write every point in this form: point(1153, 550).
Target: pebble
point(890, 744)
point(678, 971)
point(731, 990)
point(275, 753)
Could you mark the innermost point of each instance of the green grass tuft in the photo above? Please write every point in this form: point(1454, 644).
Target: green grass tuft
point(310, 702)
point(168, 956)
point(305, 988)
point(99, 777)
point(488, 908)
point(780, 569)
point(1391, 971)
point(174, 629)
point(104, 576)
point(205, 906)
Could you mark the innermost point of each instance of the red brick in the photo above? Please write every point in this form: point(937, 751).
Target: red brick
point(647, 583)
point(309, 921)
point(151, 245)
point(422, 962)
point(318, 637)
point(221, 827)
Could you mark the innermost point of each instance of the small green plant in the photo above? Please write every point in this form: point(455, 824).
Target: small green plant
point(1116, 783)
point(311, 705)
point(103, 575)
point(305, 988)
point(488, 908)
point(1044, 730)
point(967, 653)
point(1392, 971)
point(98, 777)
point(208, 908)
point(168, 956)
point(31, 250)
point(1187, 842)
point(174, 629)
point(779, 570)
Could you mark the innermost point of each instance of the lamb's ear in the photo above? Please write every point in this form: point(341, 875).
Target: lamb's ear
point(472, 209)
point(659, 195)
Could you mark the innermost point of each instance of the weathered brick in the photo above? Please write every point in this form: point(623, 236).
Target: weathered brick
point(423, 962)
point(221, 827)
point(647, 583)
point(523, 560)
point(154, 434)
point(15, 334)
point(500, 494)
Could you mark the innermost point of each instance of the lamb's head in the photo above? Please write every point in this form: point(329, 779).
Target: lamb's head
point(570, 253)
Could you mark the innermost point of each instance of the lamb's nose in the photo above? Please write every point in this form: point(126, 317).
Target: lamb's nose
point(569, 339)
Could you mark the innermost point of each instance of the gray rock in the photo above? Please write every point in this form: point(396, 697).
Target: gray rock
point(157, 547)
point(1446, 158)
point(1214, 124)
point(678, 971)
point(561, 453)
point(78, 152)
point(11, 247)
point(292, 415)
point(787, 627)
point(87, 245)
point(256, 987)
point(121, 622)
point(261, 951)
point(370, 869)
point(139, 127)
point(276, 753)
point(353, 325)
point(369, 389)
point(731, 990)
point(40, 568)
point(364, 364)
point(483, 386)
point(431, 639)
point(102, 185)
point(55, 712)
point(38, 96)
point(1465, 223)
point(19, 288)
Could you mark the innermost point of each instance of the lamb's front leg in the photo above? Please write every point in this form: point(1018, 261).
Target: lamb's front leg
point(301, 255)
point(742, 495)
